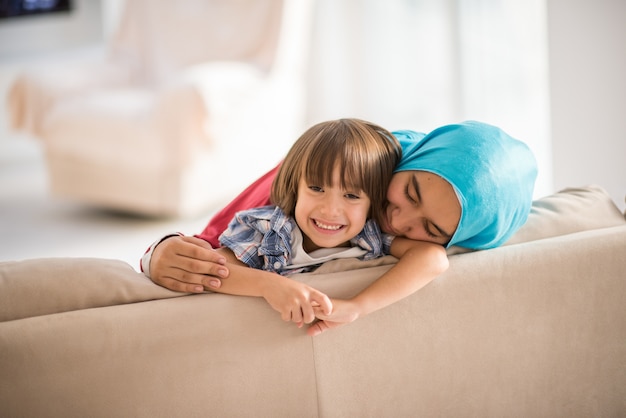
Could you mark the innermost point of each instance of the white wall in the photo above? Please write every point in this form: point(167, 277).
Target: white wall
point(420, 64)
point(587, 59)
point(43, 34)
point(587, 64)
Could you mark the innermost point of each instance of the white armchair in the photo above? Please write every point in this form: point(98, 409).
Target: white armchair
point(193, 100)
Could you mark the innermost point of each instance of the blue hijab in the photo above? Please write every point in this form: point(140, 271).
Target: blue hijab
point(492, 174)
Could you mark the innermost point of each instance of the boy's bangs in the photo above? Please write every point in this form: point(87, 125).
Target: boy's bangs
point(320, 166)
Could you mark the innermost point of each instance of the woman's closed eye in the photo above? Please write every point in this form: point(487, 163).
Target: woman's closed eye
point(408, 196)
point(429, 231)
point(429, 228)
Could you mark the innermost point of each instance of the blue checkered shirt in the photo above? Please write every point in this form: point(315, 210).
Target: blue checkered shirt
point(262, 239)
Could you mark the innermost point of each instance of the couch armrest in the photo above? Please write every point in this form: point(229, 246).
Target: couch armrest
point(45, 286)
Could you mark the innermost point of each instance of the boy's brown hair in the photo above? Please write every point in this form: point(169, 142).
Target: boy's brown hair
point(365, 153)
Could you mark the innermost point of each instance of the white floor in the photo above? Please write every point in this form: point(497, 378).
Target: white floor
point(34, 224)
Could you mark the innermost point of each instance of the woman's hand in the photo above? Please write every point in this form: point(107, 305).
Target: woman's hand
point(187, 264)
point(344, 311)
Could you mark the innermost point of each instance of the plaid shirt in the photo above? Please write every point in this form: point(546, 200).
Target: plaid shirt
point(262, 239)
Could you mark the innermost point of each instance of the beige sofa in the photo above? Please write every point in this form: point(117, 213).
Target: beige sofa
point(536, 328)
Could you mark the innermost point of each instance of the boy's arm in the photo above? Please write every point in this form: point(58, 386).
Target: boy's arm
point(419, 263)
point(294, 300)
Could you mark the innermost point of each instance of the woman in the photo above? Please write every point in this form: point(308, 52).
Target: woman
point(467, 184)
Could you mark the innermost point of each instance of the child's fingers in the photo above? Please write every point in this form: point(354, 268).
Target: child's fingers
point(285, 315)
point(308, 314)
point(296, 315)
point(317, 328)
point(322, 302)
point(319, 313)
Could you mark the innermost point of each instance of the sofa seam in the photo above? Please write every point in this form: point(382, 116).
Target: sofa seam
point(316, 377)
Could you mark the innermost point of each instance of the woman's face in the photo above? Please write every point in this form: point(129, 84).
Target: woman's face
point(421, 206)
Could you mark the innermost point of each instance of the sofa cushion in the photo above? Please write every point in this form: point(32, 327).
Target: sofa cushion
point(571, 210)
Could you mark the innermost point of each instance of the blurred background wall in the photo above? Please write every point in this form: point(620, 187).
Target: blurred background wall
point(587, 61)
point(550, 72)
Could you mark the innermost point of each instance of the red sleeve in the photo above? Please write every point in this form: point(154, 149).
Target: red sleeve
point(255, 195)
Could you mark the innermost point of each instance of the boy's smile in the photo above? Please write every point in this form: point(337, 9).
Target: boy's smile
point(326, 227)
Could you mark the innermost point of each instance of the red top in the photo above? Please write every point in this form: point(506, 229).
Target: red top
point(254, 196)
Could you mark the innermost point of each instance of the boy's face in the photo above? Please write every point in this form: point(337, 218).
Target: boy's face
point(329, 216)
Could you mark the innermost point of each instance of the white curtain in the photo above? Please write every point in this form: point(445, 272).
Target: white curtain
point(419, 64)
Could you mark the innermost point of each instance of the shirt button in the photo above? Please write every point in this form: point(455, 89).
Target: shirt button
point(277, 265)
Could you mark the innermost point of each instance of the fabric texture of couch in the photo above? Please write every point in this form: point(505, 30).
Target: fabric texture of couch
point(536, 328)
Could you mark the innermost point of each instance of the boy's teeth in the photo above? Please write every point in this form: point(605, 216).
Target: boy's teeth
point(329, 227)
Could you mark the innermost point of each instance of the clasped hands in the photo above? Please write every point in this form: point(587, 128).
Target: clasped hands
point(302, 304)
point(189, 264)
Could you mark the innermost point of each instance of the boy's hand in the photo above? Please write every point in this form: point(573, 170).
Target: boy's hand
point(343, 312)
point(296, 302)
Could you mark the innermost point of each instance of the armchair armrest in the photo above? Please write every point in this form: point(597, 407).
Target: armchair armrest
point(34, 92)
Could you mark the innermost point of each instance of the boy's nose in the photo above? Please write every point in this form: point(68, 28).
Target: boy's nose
point(331, 206)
